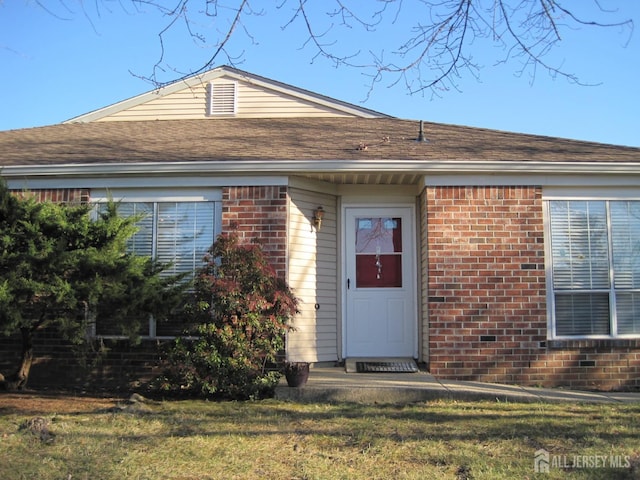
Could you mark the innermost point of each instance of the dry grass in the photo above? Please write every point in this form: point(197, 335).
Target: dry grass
point(276, 440)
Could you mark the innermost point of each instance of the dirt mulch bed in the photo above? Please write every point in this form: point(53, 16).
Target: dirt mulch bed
point(45, 403)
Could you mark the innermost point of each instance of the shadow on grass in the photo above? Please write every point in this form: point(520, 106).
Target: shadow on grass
point(445, 421)
point(444, 436)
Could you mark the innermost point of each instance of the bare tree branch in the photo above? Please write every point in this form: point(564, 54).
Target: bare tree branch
point(182, 12)
point(54, 14)
point(433, 54)
point(439, 49)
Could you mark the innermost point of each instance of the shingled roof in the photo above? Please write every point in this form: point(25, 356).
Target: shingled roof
point(289, 139)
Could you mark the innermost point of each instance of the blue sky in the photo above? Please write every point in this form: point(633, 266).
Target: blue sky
point(55, 67)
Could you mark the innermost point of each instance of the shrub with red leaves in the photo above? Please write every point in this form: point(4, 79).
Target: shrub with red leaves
point(242, 312)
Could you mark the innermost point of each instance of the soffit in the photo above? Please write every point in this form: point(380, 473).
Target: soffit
point(367, 178)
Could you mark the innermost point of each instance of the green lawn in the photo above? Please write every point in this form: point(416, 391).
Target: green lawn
point(277, 440)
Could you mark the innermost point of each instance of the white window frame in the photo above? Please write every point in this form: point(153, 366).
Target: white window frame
point(579, 194)
point(159, 195)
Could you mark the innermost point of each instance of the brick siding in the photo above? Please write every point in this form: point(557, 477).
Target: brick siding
point(486, 297)
point(259, 213)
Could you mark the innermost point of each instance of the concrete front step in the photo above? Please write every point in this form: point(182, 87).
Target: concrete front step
point(335, 385)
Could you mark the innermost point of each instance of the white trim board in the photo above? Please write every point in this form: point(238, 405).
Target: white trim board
point(157, 194)
point(204, 181)
point(582, 193)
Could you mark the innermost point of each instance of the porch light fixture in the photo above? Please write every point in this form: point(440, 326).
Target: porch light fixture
point(318, 213)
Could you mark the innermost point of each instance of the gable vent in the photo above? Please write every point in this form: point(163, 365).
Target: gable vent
point(222, 98)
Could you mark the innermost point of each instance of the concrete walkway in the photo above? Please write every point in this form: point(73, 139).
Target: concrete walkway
point(334, 385)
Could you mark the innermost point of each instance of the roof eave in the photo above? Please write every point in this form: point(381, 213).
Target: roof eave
point(252, 167)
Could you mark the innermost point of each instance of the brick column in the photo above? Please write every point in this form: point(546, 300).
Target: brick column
point(258, 213)
point(486, 281)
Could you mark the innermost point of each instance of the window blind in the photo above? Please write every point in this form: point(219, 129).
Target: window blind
point(579, 245)
point(625, 229)
point(595, 250)
point(185, 233)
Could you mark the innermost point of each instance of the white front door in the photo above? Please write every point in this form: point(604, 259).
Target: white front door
point(380, 298)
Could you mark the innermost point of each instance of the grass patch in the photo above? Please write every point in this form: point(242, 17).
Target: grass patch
point(271, 439)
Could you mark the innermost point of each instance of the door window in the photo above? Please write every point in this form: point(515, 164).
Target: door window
point(378, 252)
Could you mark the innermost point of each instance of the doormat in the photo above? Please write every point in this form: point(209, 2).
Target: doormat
point(386, 367)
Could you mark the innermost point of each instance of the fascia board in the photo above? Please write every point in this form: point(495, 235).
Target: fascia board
point(146, 97)
point(168, 182)
point(305, 95)
point(324, 166)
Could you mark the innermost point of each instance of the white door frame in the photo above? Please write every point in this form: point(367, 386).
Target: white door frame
point(410, 232)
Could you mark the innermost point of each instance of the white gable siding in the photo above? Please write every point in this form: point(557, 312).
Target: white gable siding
point(256, 102)
point(192, 103)
point(189, 103)
point(313, 278)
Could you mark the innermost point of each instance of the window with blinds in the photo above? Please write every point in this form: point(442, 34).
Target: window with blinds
point(141, 243)
point(184, 234)
point(595, 267)
point(175, 233)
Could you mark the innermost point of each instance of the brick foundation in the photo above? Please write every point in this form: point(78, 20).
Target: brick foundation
point(56, 366)
point(588, 364)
